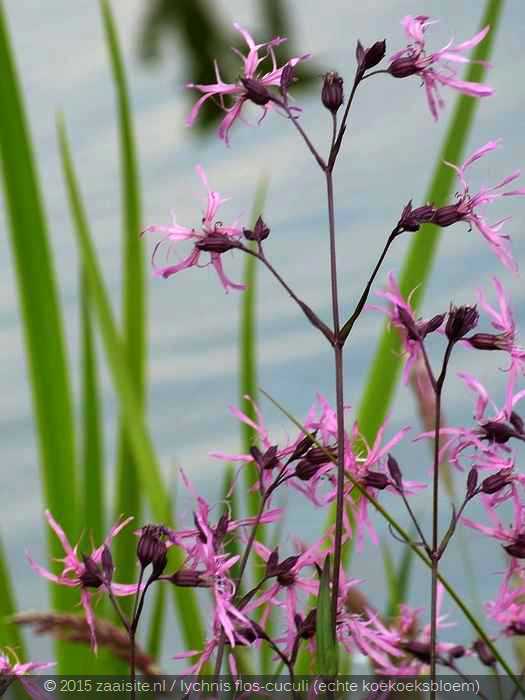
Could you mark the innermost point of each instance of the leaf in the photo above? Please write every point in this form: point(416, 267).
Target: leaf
point(157, 626)
point(398, 580)
point(139, 439)
point(9, 634)
point(41, 319)
point(128, 491)
point(324, 636)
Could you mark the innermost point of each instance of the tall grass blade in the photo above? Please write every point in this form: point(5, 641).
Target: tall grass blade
point(151, 481)
point(128, 491)
point(157, 623)
point(9, 633)
point(41, 317)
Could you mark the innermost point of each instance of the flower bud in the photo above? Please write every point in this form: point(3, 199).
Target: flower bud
point(485, 655)
point(260, 231)
point(190, 578)
point(403, 67)
point(461, 320)
point(517, 422)
point(92, 576)
point(332, 92)
point(376, 480)
point(411, 219)
point(107, 564)
point(322, 455)
point(287, 78)
point(421, 650)
point(302, 447)
point(457, 652)
point(500, 433)
point(217, 243)
point(409, 323)
point(271, 564)
point(448, 215)
point(493, 484)
point(220, 530)
point(472, 482)
point(517, 628)
point(152, 550)
point(395, 471)
point(256, 91)
point(516, 549)
point(306, 628)
point(432, 325)
point(268, 460)
point(489, 341)
point(369, 58)
point(305, 469)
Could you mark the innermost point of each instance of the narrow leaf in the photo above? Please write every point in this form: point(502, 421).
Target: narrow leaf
point(324, 636)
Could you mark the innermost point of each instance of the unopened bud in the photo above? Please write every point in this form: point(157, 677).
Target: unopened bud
point(493, 484)
point(305, 469)
point(395, 471)
point(403, 67)
point(332, 92)
point(152, 550)
point(432, 325)
point(271, 564)
point(256, 91)
point(517, 628)
point(485, 655)
point(107, 564)
point(461, 320)
point(376, 480)
point(421, 650)
point(306, 630)
point(457, 652)
point(489, 341)
point(260, 231)
point(448, 215)
point(217, 243)
point(189, 578)
point(500, 433)
point(302, 447)
point(268, 460)
point(517, 548)
point(411, 219)
point(472, 482)
point(409, 323)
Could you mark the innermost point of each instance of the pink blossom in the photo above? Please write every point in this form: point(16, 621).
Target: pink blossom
point(210, 230)
point(237, 91)
point(465, 208)
point(74, 573)
point(434, 68)
point(9, 669)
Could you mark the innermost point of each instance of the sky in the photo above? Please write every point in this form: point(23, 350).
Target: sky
point(387, 158)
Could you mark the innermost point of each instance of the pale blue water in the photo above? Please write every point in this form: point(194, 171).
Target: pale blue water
point(193, 352)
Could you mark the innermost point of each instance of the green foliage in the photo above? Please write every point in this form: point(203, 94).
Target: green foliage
point(324, 635)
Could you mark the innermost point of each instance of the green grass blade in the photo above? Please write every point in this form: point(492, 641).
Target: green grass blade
point(41, 317)
point(128, 492)
point(386, 365)
point(9, 633)
point(92, 459)
point(398, 579)
point(324, 637)
point(151, 481)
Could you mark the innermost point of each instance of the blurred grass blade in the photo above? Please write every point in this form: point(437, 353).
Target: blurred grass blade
point(398, 579)
point(156, 628)
point(386, 365)
point(128, 491)
point(92, 459)
point(41, 318)
point(324, 637)
point(151, 481)
point(9, 633)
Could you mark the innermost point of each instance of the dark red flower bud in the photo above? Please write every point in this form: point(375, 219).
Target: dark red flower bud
point(268, 460)
point(517, 548)
point(489, 341)
point(457, 652)
point(517, 628)
point(432, 325)
point(472, 482)
point(256, 91)
point(286, 579)
point(152, 550)
point(395, 471)
point(92, 576)
point(217, 243)
point(484, 653)
point(500, 433)
point(421, 650)
point(369, 58)
point(448, 215)
point(403, 67)
point(493, 484)
point(517, 422)
point(306, 630)
point(376, 480)
point(260, 231)
point(461, 320)
point(305, 469)
point(271, 564)
point(411, 219)
point(322, 455)
point(332, 93)
point(107, 564)
point(220, 530)
point(190, 578)
point(287, 78)
point(409, 323)
point(302, 447)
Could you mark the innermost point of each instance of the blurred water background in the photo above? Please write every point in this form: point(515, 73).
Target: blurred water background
point(193, 357)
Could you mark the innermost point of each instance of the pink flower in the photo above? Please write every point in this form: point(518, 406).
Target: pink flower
point(413, 60)
point(465, 207)
point(238, 92)
point(212, 237)
point(18, 670)
point(75, 573)
point(402, 316)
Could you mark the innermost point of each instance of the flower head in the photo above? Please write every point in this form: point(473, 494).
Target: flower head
point(84, 572)
point(467, 205)
point(252, 84)
point(212, 237)
point(434, 68)
point(10, 670)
